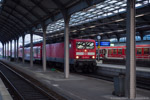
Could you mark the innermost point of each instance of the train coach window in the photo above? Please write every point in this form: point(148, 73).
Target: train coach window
point(39, 50)
point(139, 51)
point(114, 51)
point(146, 51)
point(119, 51)
point(109, 51)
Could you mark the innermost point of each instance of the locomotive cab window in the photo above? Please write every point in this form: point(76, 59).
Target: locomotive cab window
point(85, 45)
point(146, 50)
point(80, 45)
point(139, 51)
point(89, 45)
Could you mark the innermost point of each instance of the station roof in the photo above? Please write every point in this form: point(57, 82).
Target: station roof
point(89, 18)
point(107, 19)
point(20, 16)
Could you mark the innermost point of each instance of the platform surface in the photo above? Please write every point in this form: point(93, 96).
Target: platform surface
point(4, 94)
point(77, 87)
point(138, 68)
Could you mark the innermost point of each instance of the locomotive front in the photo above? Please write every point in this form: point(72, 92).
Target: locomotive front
point(85, 56)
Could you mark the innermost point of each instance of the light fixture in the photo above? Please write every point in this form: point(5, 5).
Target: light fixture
point(93, 57)
point(77, 57)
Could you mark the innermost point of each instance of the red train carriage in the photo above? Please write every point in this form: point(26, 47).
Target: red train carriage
point(37, 52)
point(117, 54)
point(82, 54)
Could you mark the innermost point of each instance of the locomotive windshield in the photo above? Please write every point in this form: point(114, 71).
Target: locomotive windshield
point(85, 45)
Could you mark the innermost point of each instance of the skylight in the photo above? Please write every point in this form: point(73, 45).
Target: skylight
point(104, 9)
point(1, 2)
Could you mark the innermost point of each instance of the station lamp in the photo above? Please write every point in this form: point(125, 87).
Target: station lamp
point(98, 37)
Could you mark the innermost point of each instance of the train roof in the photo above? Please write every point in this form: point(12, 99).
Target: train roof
point(49, 42)
point(147, 42)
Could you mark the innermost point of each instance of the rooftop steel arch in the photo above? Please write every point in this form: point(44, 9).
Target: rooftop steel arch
point(19, 16)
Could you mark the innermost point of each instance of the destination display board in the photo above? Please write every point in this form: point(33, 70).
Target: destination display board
point(103, 43)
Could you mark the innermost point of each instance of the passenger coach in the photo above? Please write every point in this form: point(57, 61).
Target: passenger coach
point(117, 53)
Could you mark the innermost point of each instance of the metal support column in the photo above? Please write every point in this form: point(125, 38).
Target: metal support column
point(17, 49)
point(44, 47)
point(14, 50)
point(23, 48)
point(66, 46)
point(10, 49)
point(130, 54)
point(3, 50)
point(31, 49)
point(6, 49)
point(98, 37)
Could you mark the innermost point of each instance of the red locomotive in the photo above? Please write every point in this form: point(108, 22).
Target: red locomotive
point(117, 53)
point(82, 54)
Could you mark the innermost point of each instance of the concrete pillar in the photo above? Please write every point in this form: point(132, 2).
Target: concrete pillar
point(130, 54)
point(31, 49)
point(44, 48)
point(15, 50)
point(66, 46)
point(23, 48)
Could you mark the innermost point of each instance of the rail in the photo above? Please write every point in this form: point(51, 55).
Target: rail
point(24, 88)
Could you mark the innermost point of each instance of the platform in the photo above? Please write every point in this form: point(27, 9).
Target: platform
point(4, 94)
point(138, 68)
point(77, 87)
point(116, 69)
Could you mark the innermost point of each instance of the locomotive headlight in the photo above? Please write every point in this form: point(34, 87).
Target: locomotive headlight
point(85, 50)
point(93, 57)
point(77, 57)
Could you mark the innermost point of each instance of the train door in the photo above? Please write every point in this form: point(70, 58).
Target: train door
point(146, 53)
point(120, 52)
point(104, 52)
point(139, 53)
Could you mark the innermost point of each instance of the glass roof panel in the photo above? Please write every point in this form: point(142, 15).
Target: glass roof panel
point(104, 9)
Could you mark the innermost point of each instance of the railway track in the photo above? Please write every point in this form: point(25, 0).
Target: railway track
point(21, 88)
point(142, 82)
